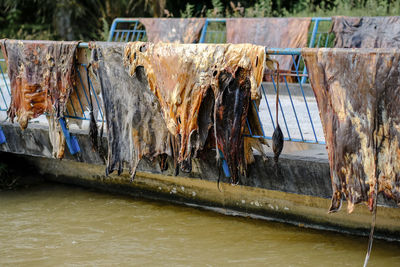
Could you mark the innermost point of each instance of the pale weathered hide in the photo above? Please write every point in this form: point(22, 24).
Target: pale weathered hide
point(358, 95)
point(366, 32)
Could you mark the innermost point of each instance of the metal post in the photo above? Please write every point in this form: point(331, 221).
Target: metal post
point(71, 141)
point(2, 136)
point(203, 32)
point(312, 42)
point(224, 165)
point(113, 26)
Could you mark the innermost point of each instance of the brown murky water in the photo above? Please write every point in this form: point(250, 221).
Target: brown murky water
point(52, 225)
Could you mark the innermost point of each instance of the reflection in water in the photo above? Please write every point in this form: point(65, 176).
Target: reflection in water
point(53, 224)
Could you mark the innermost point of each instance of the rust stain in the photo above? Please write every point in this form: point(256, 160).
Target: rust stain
point(358, 94)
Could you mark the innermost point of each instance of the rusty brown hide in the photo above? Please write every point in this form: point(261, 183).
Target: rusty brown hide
point(199, 85)
point(41, 75)
point(135, 127)
point(358, 95)
point(173, 30)
point(366, 32)
point(270, 32)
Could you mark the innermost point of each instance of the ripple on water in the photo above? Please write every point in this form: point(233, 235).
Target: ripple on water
point(54, 224)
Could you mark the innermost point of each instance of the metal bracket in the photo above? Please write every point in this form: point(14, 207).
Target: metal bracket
point(2, 136)
point(71, 140)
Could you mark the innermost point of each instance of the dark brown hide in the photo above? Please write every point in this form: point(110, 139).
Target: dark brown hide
point(358, 95)
point(41, 75)
point(366, 32)
point(135, 127)
point(186, 78)
point(271, 33)
point(232, 106)
point(173, 30)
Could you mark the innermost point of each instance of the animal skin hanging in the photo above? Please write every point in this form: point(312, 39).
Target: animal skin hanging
point(200, 86)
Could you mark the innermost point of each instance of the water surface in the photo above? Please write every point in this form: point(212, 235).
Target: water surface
point(53, 224)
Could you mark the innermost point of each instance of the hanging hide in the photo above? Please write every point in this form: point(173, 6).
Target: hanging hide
point(358, 96)
point(271, 33)
point(187, 78)
point(366, 32)
point(42, 76)
point(231, 112)
point(135, 127)
point(173, 30)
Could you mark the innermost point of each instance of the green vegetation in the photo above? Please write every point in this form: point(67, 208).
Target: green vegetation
point(90, 19)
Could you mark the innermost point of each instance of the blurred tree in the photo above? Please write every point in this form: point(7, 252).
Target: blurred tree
point(91, 19)
point(69, 19)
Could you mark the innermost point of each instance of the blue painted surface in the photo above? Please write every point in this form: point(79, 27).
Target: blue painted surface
point(71, 140)
point(2, 136)
point(225, 167)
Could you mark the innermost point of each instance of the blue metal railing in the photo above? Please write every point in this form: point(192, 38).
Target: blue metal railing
point(5, 94)
point(317, 34)
point(133, 31)
point(297, 106)
point(298, 111)
point(5, 97)
point(213, 36)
